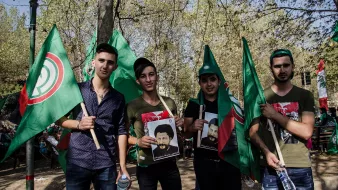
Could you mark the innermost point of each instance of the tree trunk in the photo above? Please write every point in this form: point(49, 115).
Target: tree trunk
point(105, 20)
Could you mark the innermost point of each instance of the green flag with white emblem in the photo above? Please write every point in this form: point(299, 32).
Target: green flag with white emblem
point(51, 88)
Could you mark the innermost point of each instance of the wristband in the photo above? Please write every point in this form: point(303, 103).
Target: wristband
point(78, 125)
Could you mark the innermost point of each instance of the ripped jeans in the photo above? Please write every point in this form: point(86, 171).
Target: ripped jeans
point(301, 177)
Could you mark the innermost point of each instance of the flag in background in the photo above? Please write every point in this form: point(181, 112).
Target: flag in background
point(51, 88)
point(230, 117)
point(123, 78)
point(253, 96)
point(335, 34)
point(88, 70)
point(23, 100)
point(321, 85)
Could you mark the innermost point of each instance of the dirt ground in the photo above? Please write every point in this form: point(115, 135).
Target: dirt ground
point(325, 172)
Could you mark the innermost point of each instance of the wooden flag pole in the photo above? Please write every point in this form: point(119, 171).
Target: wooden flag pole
point(165, 105)
point(279, 152)
point(167, 108)
point(91, 130)
point(199, 131)
point(282, 174)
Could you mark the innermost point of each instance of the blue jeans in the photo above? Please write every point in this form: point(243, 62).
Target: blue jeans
point(78, 178)
point(301, 177)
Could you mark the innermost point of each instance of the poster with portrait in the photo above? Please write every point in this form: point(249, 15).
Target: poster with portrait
point(209, 137)
point(164, 131)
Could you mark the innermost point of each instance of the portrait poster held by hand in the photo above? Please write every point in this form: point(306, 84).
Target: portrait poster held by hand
point(209, 137)
point(163, 129)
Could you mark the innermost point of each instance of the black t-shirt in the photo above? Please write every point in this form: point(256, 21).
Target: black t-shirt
point(192, 110)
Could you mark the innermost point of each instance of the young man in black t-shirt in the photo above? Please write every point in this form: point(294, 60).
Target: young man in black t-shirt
point(211, 171)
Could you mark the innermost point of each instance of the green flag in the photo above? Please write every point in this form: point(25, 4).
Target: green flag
point(253, 96)
point(51, 88)
point(335, 35)
point(252, 90)
point(230, 117)
point(123, 78)
point(88, 70)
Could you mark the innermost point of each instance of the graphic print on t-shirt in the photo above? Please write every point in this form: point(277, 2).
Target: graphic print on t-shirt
point(289, 109)
point(163, 129)
point(209, 137)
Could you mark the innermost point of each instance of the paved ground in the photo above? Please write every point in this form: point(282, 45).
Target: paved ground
point(325, 171)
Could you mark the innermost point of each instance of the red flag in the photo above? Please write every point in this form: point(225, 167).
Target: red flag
point(23, 100)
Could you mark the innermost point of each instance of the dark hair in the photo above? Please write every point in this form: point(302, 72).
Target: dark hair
point(208, 75)
point(213, 121)
point(104, 47)
point(164, 128)
point(281, 53)
point(140, 64)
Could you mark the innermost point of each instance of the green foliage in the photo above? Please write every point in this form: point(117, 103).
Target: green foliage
point(172, 35)
point(14, 50)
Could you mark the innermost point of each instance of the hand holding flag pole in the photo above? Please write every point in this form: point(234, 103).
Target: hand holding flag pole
point(91, 130)
point(281, 171)
point(253, 97)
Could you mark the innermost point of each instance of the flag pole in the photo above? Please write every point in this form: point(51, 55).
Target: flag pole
point(30, 143)
point(279, 152)
point(91, 130)
point(165, 105)
point(199, 131)
point(167, 108)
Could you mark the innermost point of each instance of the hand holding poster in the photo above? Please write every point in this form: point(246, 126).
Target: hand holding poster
point(164, 131)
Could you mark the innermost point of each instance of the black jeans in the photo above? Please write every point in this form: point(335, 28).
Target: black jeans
point(165, 172)
point(217, 174)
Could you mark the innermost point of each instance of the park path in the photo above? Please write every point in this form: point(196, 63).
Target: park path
point(325, 171)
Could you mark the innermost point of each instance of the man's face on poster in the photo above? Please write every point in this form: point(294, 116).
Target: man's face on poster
point(213, 132)
point(163, 140)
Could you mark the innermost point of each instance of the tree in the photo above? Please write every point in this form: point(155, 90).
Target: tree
point(172, 34)
point(14, 50)
point(105, 20)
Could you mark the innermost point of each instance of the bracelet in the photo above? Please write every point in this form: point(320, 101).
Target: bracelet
point(78, 125)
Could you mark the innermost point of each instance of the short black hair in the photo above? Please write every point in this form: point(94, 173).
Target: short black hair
point(164, 128)
point(140, 64)
point(213, 121)
point(281, 53)
point(104, 47)
point(208, 75)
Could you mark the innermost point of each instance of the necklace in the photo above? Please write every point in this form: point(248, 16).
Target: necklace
point(101, 95)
